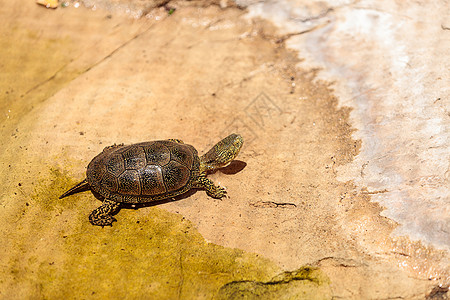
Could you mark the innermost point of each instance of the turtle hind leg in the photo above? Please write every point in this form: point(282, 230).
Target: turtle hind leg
point(102, 216)
point(211, 189)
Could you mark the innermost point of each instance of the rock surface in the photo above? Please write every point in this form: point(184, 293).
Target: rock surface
point(96, 77)
point(389, 62)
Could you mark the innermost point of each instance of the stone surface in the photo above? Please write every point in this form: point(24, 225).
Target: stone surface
point(195, 74)
point(389, 62)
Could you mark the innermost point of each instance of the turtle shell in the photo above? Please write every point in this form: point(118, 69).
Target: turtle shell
point(143, 172)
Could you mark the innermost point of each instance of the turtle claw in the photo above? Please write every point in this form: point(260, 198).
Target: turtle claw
point(104, 221)
point(218, 193)
point(111, 222)
point(221, 192)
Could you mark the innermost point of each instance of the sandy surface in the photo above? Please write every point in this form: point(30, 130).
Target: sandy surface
point(198, 74)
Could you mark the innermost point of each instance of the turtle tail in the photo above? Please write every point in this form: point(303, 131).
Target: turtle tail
point(80, 187)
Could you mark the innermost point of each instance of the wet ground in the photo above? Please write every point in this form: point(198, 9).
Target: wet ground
point(77, 80)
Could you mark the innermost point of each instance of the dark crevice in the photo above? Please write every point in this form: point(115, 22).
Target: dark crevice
point(286, 277)
point(438, 293)
point(271, 204)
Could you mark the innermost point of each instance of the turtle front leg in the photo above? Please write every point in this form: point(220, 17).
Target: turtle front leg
point(211, 189)
point(102, 216)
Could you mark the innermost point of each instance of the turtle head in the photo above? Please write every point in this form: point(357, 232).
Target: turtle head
point(222, 153)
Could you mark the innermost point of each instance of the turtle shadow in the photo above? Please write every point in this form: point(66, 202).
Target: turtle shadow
point(234, 167)
point(158, 202)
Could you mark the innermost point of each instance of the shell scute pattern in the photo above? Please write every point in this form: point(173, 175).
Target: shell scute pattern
point(98, 170)
point(133, 173)
point(129, 183)
point(134, 158)
point(157, 153)
point(109, 182)
point(182, 155)
point(175, 175)
point(152, 180)
point(114, 164)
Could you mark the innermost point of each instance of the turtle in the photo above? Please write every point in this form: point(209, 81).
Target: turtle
point(152, 171)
